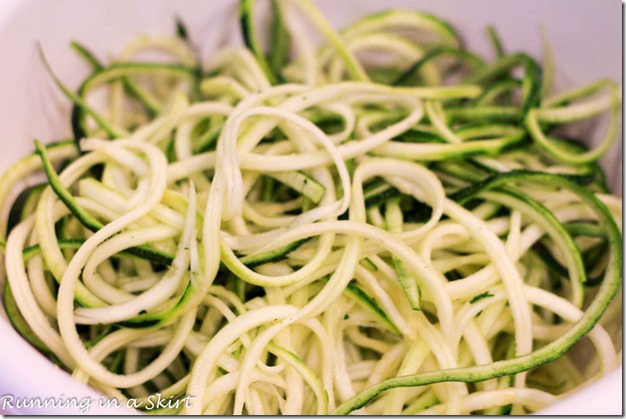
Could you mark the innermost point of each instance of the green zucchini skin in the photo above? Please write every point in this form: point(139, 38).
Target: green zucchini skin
point(87, 220)
point(471, 59)
point(120, 71)
point(608, 289)
point(18, 322)
point(248, 31)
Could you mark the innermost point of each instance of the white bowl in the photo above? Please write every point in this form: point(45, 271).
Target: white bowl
point(585, 36)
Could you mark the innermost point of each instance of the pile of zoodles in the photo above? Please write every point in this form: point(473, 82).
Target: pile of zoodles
point(386, 223)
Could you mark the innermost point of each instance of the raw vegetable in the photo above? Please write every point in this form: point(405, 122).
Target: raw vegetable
point(300, 230)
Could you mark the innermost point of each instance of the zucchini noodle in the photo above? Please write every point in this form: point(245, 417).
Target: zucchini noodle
point(315, 230)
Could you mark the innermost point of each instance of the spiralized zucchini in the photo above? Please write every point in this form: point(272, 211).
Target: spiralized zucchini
point(385, 223)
